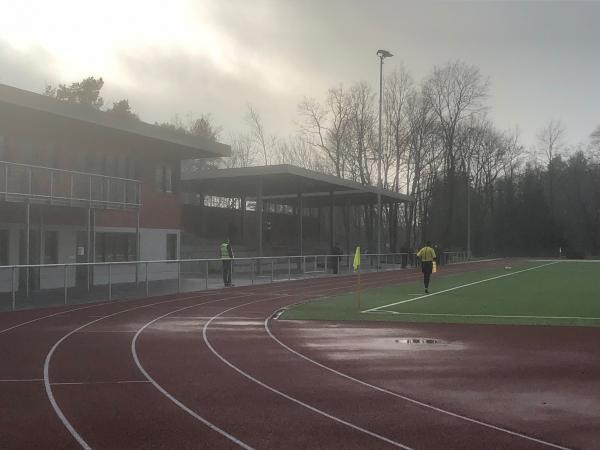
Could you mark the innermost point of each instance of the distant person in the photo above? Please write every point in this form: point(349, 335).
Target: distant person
point(335, 262)
point(227, 259)
point(427, 256)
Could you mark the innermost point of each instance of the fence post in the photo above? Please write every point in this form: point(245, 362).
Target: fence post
point(252, 271)
point(206, 276)
point(272, 269)
point(147, 281)
point(303, 266)
point(326, 258)
point(109, 282)
point(289, 268)
point(12, 287)
point(66, 288)
point(179, 277)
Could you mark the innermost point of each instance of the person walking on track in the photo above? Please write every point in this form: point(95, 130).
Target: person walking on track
point(427, 256)
point(226, 258)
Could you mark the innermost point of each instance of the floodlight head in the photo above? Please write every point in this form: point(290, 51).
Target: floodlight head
point(384, 54)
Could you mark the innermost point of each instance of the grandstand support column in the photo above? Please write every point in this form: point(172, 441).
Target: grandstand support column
point(242, 217)
point(331, 220)
point(299, 212)
point(259, 218)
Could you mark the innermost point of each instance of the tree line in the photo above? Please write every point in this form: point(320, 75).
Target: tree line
point(472, 184)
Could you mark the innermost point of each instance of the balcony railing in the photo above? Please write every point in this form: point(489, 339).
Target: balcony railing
point(22, 182)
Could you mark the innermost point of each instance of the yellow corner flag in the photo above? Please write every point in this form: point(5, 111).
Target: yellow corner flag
point(356, 263)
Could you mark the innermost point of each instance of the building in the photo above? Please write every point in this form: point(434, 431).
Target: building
point(79, 185)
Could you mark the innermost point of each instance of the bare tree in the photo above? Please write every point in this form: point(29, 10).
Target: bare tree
point(243, 151)
point(326, 127)
point(455, 91)
point(550, 143)
point(265, 143)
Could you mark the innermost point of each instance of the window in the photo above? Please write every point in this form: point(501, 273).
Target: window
point(164, 179)
point(51, 247)
point(112, 247)
point(171, 246)
point(3, 247)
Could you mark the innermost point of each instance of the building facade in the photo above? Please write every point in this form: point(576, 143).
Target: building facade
point(78, 185)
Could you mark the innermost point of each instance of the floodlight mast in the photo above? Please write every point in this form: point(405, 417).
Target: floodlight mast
point(382, 55)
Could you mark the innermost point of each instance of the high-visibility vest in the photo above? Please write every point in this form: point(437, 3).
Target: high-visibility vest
point(225, 251)
point(427, 254)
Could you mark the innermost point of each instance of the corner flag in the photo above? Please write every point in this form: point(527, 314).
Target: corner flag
point(356, 263)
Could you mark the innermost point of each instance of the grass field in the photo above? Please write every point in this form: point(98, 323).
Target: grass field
point(537, 293)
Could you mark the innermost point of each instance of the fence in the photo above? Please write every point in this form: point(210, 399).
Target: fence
point(19, 182)
point(77, 283)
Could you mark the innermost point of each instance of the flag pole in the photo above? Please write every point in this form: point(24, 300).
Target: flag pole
point(356, 265)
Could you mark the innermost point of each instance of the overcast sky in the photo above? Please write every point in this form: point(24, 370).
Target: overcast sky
point(215, 56)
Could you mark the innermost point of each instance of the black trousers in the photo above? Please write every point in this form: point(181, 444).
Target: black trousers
point(426, 268)
point(226, 272)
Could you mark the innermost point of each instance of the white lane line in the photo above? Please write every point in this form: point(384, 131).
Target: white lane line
point(25, 380)
point(37, 319)
point(408, 399)
point(485, 315)
point(163, 391)
point(48, 384)
point(284, 395)
point(80, 383)
point(458, 287)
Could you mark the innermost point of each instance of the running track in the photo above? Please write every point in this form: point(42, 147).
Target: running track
point(211, 370)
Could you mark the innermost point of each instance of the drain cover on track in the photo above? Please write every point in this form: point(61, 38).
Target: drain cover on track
point(419, 341)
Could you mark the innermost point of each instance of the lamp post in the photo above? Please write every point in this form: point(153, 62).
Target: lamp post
point(382, 55)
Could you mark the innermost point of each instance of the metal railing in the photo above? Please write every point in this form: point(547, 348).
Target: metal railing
point(42, 285)
point(20, 182)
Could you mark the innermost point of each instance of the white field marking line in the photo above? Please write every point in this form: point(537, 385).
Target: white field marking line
point(484, 315)
point(47, 383)
point(408, 399)
point(596, 261)
point(282, 394)
point(457, 287)
point(163, 391)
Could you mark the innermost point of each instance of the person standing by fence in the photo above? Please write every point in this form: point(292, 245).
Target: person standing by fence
point(227, 259)
point(427, 256)
point(335, 259)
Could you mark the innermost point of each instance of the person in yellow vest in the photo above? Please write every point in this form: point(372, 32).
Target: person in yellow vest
point(427, 256)
point(226, 258)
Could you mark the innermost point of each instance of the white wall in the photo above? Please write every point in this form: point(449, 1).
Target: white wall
point(153, 246)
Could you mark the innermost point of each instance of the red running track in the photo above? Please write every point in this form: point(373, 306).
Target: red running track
point(211, 370)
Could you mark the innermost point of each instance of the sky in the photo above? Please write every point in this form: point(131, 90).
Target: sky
point(217, 56)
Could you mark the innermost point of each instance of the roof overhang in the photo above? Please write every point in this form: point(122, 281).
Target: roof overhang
point(22, 105)
point(283, 183)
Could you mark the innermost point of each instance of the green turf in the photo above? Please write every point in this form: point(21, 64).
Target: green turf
point(565, 293)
